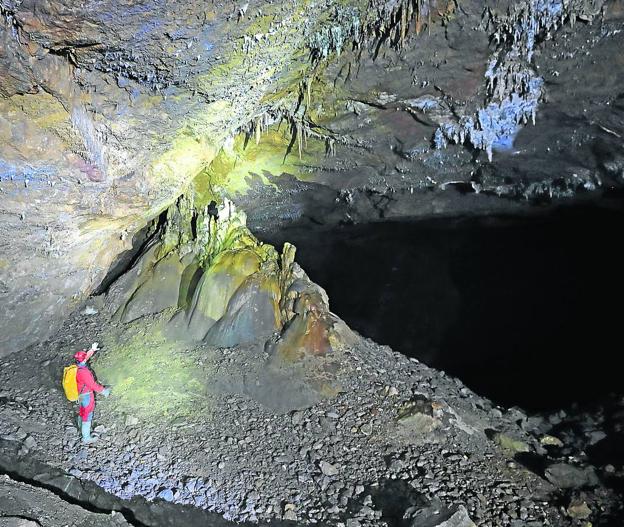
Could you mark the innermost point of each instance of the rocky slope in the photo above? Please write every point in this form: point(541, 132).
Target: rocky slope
point(395, 445)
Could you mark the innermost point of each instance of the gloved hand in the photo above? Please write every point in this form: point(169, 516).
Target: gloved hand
point(94, 346)
point(106, 392)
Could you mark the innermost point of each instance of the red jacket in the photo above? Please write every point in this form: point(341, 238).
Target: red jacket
point(86, 382)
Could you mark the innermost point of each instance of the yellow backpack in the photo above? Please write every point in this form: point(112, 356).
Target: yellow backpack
point(70, 386)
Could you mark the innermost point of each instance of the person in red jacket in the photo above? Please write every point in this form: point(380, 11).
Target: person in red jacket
point(87, 386)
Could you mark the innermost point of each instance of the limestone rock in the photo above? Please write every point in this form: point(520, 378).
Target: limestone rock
point(107, 112)
point(159, 289)
point(311, 329)
point(216, 288)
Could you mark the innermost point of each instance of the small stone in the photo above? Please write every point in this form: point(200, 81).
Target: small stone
point(366, 429)
point(328, 469)
point(290, 512)
point(131, 420)
point(596, 436)
point(297, 418)
point(166, 495)
point(510, 444)
point(578, 510)
point(551, 441)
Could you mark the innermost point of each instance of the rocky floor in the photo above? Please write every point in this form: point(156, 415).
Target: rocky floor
point(392, 442)
point(23, 505)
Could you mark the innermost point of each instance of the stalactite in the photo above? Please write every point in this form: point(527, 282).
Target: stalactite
point(513, 87)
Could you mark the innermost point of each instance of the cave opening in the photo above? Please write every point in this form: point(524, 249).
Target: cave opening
point(522, 309)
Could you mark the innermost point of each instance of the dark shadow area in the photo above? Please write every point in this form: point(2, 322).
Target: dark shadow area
point(524, 310)
point(394, 498)
point(125, 261)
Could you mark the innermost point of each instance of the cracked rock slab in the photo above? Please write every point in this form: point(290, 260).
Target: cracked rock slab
point(23, 505)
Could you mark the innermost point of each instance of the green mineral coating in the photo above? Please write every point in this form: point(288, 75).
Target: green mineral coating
point(510, 444)
point(188, 281)
point(235, 169)
point(260, 25)
point(222, 279)
point(149, 376)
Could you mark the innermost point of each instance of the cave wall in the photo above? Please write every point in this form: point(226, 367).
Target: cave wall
point(107, 111)
point(317, 113)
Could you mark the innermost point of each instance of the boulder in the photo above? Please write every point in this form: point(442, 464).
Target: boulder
point(159, 290)
point(310, 329)
point(441, 516)
point(251, 314)
point(511, 445)
point(579, 510)
point(216, 288)
point(567, 476)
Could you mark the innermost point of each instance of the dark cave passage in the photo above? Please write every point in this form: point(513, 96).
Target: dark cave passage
point(523, 310)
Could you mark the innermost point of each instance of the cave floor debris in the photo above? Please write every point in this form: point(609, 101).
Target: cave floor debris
point(23, 505)
point(394, 443)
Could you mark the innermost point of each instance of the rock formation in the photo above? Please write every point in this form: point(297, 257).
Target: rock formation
point(147, 147)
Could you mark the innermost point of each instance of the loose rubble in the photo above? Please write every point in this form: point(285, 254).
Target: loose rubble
point(399, 440)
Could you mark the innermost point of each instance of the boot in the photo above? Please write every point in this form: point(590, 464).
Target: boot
point(86, 433)
point(79, 422)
